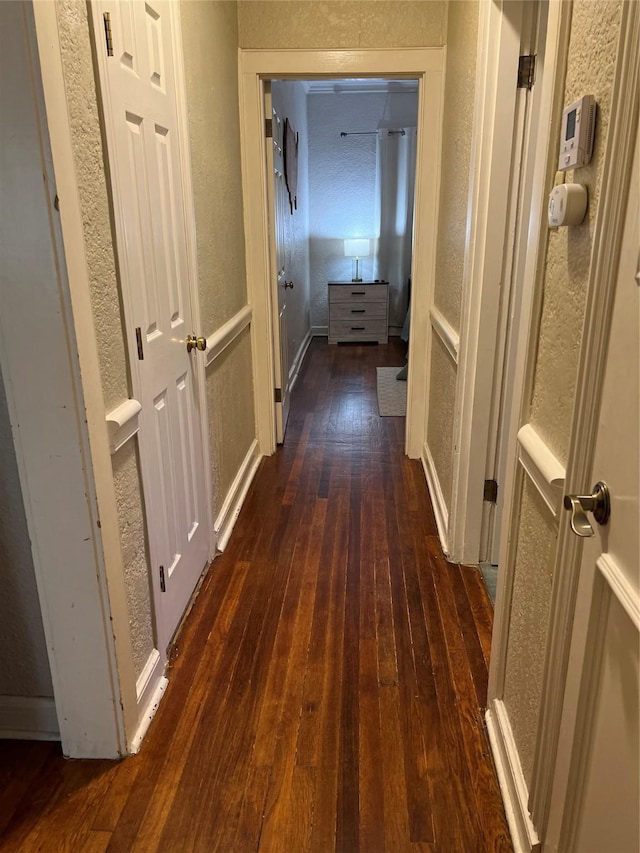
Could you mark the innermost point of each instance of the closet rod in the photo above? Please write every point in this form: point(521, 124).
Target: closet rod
point(371, 133)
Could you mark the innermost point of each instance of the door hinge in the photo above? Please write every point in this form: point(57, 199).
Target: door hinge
point(268, 128)
point(526, 71)
point(163, 585)
point(490, 491)
point(107, 33)
point(139, 343)
point(277, 395)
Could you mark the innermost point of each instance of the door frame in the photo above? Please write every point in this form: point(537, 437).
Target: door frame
point(161, 634)
point(256, 66)
point(100, 721)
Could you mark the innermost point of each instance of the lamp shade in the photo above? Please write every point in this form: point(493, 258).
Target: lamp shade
point(358, 248)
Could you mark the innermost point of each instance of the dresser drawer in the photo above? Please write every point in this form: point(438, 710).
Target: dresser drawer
point(358, 292)
point(358, 311)
point(358, 330)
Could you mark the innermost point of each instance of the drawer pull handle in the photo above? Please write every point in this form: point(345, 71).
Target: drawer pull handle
point(357, 310)
point(358, 293)
point(357, 328)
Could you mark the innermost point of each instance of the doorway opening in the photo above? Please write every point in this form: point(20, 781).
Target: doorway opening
point(341, 176)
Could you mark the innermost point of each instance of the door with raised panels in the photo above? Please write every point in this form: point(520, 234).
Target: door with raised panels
point(138, 52)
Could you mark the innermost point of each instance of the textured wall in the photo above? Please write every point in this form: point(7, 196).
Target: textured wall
point(594, 35)
point(88, 157)
point(341, 23)
point(24, 665)
point(134, 552)
point(290, 101)
point(231, 420)
point(210, 40)
point(529, 617)
point(441, 416)
point(342, 187)
point(462, 34)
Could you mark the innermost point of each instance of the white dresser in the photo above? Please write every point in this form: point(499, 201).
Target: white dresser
point(358, 311)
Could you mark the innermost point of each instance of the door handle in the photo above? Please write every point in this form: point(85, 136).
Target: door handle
point(196, 343)
point(288, 284)
point(598, 503)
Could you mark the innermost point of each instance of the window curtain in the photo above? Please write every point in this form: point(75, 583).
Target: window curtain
point(395, 180)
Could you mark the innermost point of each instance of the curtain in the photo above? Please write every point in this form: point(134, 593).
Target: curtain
point(395, 179)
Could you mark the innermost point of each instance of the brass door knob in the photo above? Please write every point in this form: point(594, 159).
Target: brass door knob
point(196, 343)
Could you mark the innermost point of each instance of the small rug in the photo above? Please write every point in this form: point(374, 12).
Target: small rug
point(392, 393)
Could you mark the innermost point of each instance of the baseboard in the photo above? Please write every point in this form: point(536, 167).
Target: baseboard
point(513, 786)
point(235, 497)
point(299, 358)
point(28, 718)
point(319, 332)
point(150, 688)
point(437, 498)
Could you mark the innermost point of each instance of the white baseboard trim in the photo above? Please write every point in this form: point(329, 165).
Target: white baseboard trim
point(299, 358)
point(235, 497)
point(28, 718)
point(150, 687)
point(319, 332)
point(513, 786)
point(437, 498)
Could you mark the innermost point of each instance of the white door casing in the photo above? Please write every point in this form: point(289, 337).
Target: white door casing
point(278, 209)
point(141, 88)
point(427, 66)
point(595, 805)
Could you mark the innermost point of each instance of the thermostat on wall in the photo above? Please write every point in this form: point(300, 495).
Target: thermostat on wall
point(576, 141)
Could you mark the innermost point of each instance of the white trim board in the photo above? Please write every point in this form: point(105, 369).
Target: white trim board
point(319, 331)
point(511, 778)
point(445, 331)
point(28, 718)
point(227, 333)
point(544, 469)
point(438, 502)
point(232, 505)
point(150, 687)
point(298, 360)
point(123, 423)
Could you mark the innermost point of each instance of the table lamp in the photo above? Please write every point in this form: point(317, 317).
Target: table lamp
point(356, 249)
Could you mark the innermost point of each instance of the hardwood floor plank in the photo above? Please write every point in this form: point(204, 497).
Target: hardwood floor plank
point(325, 689)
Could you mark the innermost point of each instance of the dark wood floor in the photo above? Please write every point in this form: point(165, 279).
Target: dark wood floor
point(326, 689)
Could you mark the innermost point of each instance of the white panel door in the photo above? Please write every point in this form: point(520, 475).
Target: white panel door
point(278, 210)
point(601, 720)
point(140, 97)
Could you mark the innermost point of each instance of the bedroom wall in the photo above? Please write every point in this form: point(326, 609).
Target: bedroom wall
point(462, 35)
point(595, 28)
point(289, 99)
point(342, 181)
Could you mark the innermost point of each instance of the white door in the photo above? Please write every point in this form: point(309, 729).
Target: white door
point(601, 722)
point(278, 210)
point(138, 48)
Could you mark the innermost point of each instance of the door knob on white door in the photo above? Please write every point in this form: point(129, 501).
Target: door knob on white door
point(196, 343)
point(598, 503)
point(288, 284)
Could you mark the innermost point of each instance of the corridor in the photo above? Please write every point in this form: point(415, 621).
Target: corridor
point(326, 689)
